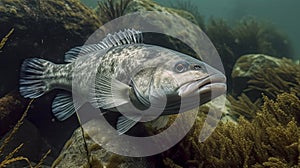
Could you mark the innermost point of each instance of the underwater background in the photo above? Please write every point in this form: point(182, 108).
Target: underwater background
point(282, 15)
point(258, 42)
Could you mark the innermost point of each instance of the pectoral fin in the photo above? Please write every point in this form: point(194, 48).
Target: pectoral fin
point(160, 122)
point(110, 93)
point(138, 93)
point(124, 124)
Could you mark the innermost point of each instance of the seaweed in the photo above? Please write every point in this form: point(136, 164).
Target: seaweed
point(3, 41)
point(111, 9)
point(222, 36)
point(276, 80)
point(253, 36)
point(243, 106)
point(11, 158)
point(190, 7)
point(12, 106)
point(270, 139)
point(248, 36)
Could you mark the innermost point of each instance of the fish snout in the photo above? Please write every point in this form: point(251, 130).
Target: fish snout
point(215, 83)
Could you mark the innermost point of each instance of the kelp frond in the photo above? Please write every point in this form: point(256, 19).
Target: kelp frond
point(112, 9)
point(3, 41)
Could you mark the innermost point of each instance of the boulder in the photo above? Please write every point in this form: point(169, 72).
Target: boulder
point(247, 67)
point(12, 107)
point(74, 154)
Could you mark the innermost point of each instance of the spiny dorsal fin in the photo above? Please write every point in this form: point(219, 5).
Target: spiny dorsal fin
point(128, 36)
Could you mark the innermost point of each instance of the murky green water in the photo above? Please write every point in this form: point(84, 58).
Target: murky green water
point(282, 14)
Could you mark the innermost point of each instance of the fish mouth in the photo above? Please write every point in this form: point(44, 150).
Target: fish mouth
point(212, 85)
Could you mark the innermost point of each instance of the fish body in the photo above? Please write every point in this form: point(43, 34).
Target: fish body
point(121, 73)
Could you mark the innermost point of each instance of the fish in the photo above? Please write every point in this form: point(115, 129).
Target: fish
point(122, 74)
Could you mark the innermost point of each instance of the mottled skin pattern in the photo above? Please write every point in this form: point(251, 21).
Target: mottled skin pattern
point(148, 67)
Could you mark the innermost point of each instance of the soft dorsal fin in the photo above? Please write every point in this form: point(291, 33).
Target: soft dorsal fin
point(127, 36)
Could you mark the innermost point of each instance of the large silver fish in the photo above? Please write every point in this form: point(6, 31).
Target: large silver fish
point(122, 73)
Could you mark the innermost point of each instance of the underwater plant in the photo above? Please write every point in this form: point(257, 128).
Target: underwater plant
point(270, 139)
point(254, 36)
point(3, 41)
point(11, 158)
point(248, 36)
point(276, 80)
point(243, 106)
point(111, 9)
point(222, 36)
point(189, 7)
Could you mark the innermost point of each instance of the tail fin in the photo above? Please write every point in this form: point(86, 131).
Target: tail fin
point(33, 81)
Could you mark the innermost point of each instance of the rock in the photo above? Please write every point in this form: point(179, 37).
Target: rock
point(247, 66)
point(123, 7)
point(74, 155)
point(74, 152)
point(12, 107)
point(149, 5)
point(172, 18)
point(34, 147)
point(45, 29)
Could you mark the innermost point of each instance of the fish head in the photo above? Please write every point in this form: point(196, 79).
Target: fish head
point(174, 78)
point(186, 79)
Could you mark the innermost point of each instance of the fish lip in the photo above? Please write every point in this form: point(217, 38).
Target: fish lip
point(215, 83)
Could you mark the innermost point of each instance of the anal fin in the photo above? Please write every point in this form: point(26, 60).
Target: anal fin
point(63, 107)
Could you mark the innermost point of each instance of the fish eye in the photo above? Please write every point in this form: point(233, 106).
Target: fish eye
point(180, 67)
